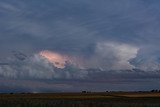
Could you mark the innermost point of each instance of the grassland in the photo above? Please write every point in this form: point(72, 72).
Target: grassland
point(105, 99)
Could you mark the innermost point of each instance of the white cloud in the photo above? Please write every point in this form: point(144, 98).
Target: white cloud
point(146, 64)
point(114, 56)
point(33, 67)
point(108, 56)
point(38, 67)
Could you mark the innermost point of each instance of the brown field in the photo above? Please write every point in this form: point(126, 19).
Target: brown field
point(94, 99)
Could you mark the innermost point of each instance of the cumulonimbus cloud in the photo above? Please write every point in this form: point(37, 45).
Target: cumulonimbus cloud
point(50, 65)
point(107, 56)
point(112, 56)
point(39, 67)
point(117, 54)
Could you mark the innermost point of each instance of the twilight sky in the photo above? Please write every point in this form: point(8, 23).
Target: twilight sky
point(75, 45)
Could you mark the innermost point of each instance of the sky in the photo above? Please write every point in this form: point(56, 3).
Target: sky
point(76, 45)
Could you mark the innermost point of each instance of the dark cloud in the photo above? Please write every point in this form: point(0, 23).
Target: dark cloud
point(107, 38)
point(4, 63)
point(40, 76)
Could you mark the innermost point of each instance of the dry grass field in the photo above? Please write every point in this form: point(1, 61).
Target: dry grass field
point(94, 99)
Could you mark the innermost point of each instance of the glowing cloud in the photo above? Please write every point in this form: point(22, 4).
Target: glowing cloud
point(107, 56)
point(57, 59)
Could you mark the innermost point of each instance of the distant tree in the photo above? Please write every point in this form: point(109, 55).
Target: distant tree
point(154, 91)
point(84, 91)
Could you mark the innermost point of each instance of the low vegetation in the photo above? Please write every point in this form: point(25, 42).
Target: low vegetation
point(84, 99)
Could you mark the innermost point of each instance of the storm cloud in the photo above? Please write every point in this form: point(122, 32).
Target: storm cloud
point(103, 39)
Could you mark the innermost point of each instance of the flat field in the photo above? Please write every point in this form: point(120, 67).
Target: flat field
point(94, 99)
